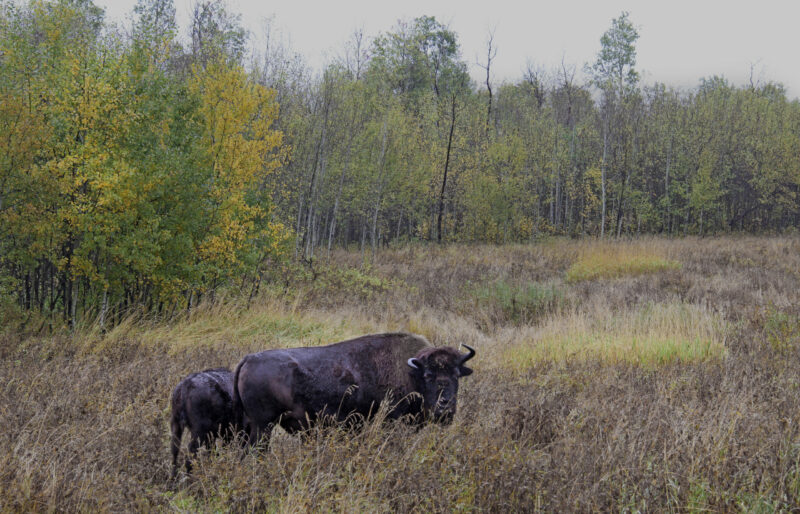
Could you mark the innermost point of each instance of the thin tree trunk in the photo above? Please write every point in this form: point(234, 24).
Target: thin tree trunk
point(620, 211)
point(379, 187)
point(312, 189)
point(318, 156)
point(567, 212)
point(103, 311)
point(28, 291)
point(701, 222)
point(399, 223)
point(622, 188)
point(309, 251)
point(621, 204)
point(69, 285)
point(558, 199)
point(341, 186)
point(666, 183)
point(446, 166)
point(298, 237)
point(603, 179)
point(37, 294)
point(686, 222)
point(363, 238)
point(73, 300)
point(555, 205)
point(490, 55)
point(325, 227)
point(52, 287)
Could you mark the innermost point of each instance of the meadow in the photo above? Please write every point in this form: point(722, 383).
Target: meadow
point(648, 374)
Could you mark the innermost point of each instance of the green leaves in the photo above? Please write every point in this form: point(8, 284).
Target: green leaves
point(420, 58)
point(120, 178)
point(614, 67)
point(137, 170)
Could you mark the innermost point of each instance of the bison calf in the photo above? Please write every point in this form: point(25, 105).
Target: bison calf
point(297, 387)
point(202, 403)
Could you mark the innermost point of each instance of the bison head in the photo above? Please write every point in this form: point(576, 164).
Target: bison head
point(436, 372)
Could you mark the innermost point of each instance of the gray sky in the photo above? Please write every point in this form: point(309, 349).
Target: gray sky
point(680, 40)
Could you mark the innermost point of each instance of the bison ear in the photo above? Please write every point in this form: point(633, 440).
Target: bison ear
point(464, 371)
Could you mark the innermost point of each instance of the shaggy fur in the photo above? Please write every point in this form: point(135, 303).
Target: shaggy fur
point(347, 381)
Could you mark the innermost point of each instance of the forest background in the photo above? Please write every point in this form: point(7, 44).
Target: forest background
point(143, 170)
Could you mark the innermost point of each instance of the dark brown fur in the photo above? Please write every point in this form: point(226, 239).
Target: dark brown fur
point(347, 381)
point(202, 403)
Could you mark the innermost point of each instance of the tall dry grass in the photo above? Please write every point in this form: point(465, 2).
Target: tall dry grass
point(676, 389)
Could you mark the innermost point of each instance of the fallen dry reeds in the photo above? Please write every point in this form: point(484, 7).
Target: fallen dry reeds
point(675, 389)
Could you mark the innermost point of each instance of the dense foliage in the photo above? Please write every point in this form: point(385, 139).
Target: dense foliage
point(131, 173)
point(392, 141)
point(140, 168)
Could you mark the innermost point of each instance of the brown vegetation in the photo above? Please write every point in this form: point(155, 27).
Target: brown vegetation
point(85, 418)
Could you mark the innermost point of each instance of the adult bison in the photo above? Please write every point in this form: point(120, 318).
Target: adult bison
point(202, 403)
point(297, 387)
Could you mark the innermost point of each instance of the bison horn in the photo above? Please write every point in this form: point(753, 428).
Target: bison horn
point(413, 363)
point(468, 356)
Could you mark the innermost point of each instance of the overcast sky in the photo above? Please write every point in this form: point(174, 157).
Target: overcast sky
point(680, 40)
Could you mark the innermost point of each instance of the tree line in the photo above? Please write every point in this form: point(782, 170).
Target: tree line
point(142, 168)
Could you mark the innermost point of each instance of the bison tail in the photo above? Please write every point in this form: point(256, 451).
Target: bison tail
point(238, 407)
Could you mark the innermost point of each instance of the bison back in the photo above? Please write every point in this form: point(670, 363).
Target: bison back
point(337, 380)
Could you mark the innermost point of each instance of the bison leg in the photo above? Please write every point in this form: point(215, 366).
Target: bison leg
point(227, 433)
point(175, 444)
point(260, 421)
point(292, 425)
point(194, 445)
point(243, 433)
point(257, 433)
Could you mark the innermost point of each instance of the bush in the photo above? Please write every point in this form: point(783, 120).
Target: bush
point(518, 303)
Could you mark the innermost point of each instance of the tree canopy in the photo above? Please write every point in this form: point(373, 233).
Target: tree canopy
point(144, 170)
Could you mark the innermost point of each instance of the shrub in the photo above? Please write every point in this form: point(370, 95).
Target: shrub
point(518, 303)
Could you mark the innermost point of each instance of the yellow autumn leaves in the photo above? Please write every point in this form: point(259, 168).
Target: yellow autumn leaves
point(242, 148)
point(126, 179)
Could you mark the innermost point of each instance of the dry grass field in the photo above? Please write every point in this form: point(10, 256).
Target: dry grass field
point(654, 374)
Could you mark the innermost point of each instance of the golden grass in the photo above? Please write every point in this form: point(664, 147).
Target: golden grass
point(651, 335)
point(603, 260)
point(266, 323)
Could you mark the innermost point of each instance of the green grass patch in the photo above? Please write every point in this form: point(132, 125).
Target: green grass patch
point(616, 262)
point(654, 335)
point(782, 331)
